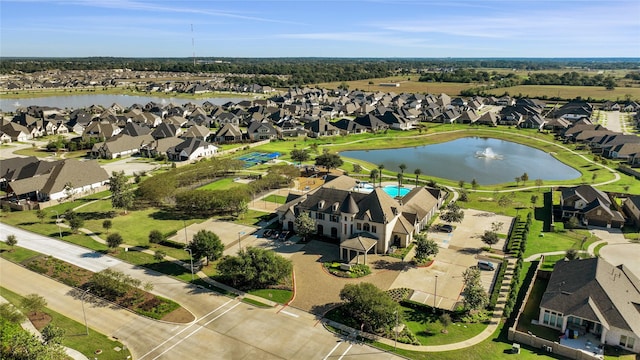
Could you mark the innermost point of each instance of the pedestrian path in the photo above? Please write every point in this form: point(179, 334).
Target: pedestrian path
point(28, 326)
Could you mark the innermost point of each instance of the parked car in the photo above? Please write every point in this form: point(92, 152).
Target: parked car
point(486, 265)
point(274, 235)
point(283, 236)
point(267, 233)
point(444, 228)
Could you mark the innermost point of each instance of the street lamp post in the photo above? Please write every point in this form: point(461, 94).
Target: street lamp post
point(435, 294)
point(58, 222)
point(395, 343)
point(239, 239)
point(191, 260)
point(84, 314)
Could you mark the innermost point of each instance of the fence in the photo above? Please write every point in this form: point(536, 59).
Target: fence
point(540, 343)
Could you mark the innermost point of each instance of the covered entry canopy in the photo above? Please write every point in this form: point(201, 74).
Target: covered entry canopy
point(359, 244)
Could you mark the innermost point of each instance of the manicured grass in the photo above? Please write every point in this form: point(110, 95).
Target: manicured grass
point(596, 250)
point(75, 337)
point(550, 261)
point(255, 303)
point(532, 311)
point(251, 217)
point(16, 254)
point(222, 184)
point(427, 328)
point(278, 199)
point(277, 295)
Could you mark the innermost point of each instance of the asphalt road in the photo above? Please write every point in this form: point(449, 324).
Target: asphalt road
point(225, 328)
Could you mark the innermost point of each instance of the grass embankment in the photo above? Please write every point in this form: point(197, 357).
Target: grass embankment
point(31, 93)
point(75, 333)
point(276, 295)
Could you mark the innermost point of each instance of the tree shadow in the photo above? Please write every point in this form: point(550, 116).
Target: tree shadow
point(98, 215)
point(388, 265)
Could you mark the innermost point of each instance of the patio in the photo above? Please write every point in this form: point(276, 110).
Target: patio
point(588, 343)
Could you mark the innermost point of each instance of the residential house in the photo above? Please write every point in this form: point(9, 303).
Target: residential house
point(590, 205)
point(489, 118)
point(229, 133)
point(347, 126)
point(258, 131)
point(592, 296)
point(354, 218)
point(196, 131)
point(120, 145)
point(371, 123)
point(16, 132)
point(191, 149)
point(166, 130)
point(100, 130)
point(321, 127)
point(631, 207)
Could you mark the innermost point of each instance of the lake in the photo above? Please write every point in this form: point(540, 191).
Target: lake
point(82, 101)
point(490, 161)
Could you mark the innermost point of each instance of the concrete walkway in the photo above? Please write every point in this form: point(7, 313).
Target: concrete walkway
point(28, 326)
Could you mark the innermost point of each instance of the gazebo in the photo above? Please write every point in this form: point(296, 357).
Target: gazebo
point(359, 244)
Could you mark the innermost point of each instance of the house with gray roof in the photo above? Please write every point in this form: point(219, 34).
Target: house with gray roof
point(631, 207)
point(592, 296)
point(342, 212)
point(590, 205)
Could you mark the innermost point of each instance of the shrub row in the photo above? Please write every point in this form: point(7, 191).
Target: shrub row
point(497, 285)
point(516, 243)
point(514, 289)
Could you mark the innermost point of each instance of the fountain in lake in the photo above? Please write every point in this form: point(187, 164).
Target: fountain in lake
point(488, 154)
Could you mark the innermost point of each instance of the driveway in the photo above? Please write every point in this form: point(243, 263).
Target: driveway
point(618, 249)
point(459, 250)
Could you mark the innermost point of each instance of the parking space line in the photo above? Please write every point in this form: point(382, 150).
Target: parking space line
point(345, 352)
point(332, 350)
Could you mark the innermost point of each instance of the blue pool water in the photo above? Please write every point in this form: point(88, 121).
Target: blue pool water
point(392, 190)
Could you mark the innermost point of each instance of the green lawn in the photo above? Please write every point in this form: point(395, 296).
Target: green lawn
point(427, 328)
point(16, 254)
point(223, 184)
point(75, 337)
point(278, 199)
point(279, 296)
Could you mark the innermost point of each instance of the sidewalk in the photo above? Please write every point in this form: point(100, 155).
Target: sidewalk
point(27, 325)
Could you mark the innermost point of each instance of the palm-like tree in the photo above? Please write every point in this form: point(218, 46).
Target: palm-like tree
point(373, 175)
point(380, 168)
point(417, 172)
point(399, 181)
point(402, 167)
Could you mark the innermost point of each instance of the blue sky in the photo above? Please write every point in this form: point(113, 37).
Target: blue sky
point(302, 28)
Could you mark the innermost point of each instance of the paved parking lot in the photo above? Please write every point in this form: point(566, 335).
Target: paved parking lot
point(459, 250)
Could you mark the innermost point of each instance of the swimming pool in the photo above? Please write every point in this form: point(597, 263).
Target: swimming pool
point(394, 191)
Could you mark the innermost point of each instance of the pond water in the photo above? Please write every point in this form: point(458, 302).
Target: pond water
point(81, 101)
point(489, 161)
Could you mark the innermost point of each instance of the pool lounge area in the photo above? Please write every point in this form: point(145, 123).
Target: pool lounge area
point(393, 190)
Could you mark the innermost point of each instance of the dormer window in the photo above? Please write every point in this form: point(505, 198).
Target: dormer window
point(335, 206)
point(321, 204)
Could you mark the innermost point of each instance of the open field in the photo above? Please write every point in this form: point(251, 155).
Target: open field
point(570, 92)
point(29, 93)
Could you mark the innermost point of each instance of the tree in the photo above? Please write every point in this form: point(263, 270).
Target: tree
point(402, 167)
point(156, 236)
point(425, 247)
point(496, 226)
point(329, 161)
point(114, 240)
point(121, 193)
point(461, 184)
point(304, 225)
point(10, 313)
point(399, 176)
point(370, 306)
point(517, 180)
point(299, 155)
point(41, 215)
point(373, 175)
point(254, 268)
point(524, 178)
point(357, 168)
point(417, 172)
point(504, 201)
point(159, 255)
point(380, 168)
point(52, 334)
point(474, 183)
point(343, 86)
point(573, 222)
point(475, 297)
point(452, 213)
point(206, 244)
point(12, 240)
point(539, 183)
point(107, 224)
point(594, 177)
point(34, 303)
point(445, 320)
point(112, 284)
point(534, 200)
point(489, 238)
point(75, 222)
point(571, 254)
point(464, 195)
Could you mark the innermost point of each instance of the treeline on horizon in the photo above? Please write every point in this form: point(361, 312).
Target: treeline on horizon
point(286, 72)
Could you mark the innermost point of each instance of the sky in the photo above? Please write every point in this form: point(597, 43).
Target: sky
point(327, 28)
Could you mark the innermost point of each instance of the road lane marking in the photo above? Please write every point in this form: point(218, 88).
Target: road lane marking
point(195, 331)
point(332, 350)
point(290, 314)
point(345, 352)
point(185, 329)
